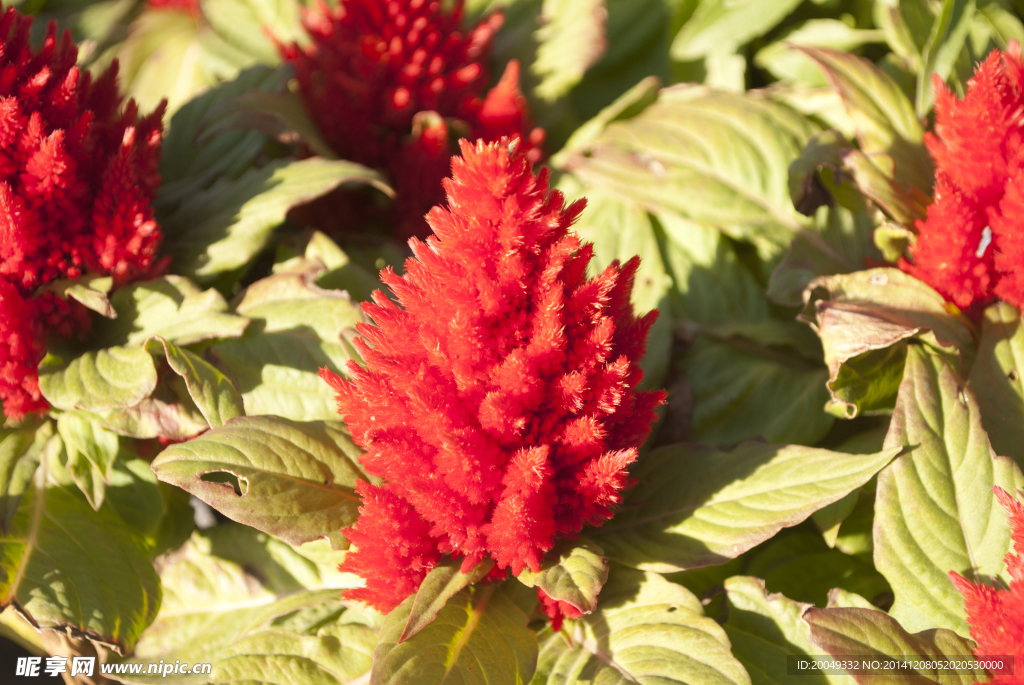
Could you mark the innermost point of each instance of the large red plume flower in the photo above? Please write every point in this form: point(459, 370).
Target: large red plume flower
point(996, 616)
point(77, 176)
point(498, 401)
point(388, 81)
point(971, 246)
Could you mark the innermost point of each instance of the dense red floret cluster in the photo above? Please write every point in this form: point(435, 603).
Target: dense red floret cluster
point(996, 616)
point(498, 401)
point(388, 81)
point(190, 6)
point(971, 246)
point(76, 179)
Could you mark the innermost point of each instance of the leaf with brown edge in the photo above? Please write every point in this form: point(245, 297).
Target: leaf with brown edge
point(868, 311)
point(289, 479)
point(573, 572)
point(843, 632)
point(442, 583)
point(213, 393)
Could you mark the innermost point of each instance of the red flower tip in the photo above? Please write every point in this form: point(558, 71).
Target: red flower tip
point(190, 6)
point(499, 399)
point(557, 610)
point(996, 616)
point(971, 246)
point(77, 178)
point(381, 77)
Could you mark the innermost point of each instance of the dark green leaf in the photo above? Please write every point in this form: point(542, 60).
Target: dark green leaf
point(996, 380)
point(21, 450)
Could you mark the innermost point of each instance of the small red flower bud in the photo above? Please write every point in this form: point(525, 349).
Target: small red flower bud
point(498, 401)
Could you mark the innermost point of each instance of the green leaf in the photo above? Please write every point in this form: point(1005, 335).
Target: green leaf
point(885, 118)
point(718, 23)
point(221, 228)
point(859, 313)
point(185, 167)
point(765, 629)
point(90, 291)
point(170, 307)
point(790, 66)
point(996, 380)
point(212, 392)
point(442, 583)
point(801, 566)
point(697, 506)
point(744, 390)
point(300, 328)
point(935, 511)
point(168, 413)
point(91, 452)
point(480, 636)
point(293, 480)
point(875, 177)
point(571, 39)
point(21, 450)
point(135, 495)
point(215, 612)
point(715, 158)
point(645, 630)
point(113, 378)
point(573, 572)
point(241, 23)
point(67, 566)
point(828, 519)
point(948, 36)
point(867, 633)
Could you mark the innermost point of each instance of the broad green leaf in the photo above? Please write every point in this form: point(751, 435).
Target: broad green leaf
point(135, 495)
point(111, 378)
point(866, 311)
point(765, 629)
point(290, 479)
point(212, 392)
point(242, 24)
point(68, 566)
point(828, 519)
point(215, 612)
point(885, 118)
point(91, 451)
point(801, 566)
point(480, 636)
point(21, 450)
point(935, 511)
point(697, 506)
point(744, 390)
point(627, 106)
point(719, 22)
point(570, 40)
point(170, 307)
point(867, 633)
point(281, 115)
point(185, 167)
point(716, 158)
point(442, 583)
point(790, 66)
point(996, 380)
point(645, 630)
point(169, 413)
point(299, 328)
point(221, 228)
point(875, 177)
point(573, 572)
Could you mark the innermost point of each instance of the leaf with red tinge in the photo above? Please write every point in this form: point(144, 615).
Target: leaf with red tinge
point(573, 572)
point(869, 633)
point(442, 583)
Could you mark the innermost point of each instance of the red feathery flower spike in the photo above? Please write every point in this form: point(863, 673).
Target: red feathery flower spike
point(996, 616)
point(77, 177)
point(190, 6)
point(498, 400)
point(388, 80)
point(971, 246)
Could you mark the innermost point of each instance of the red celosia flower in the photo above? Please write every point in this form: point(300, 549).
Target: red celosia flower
point(76, 180)
point(498, 400)
point(971, 246)
point(996, 616)
point(375, 67)
point(190, 6)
